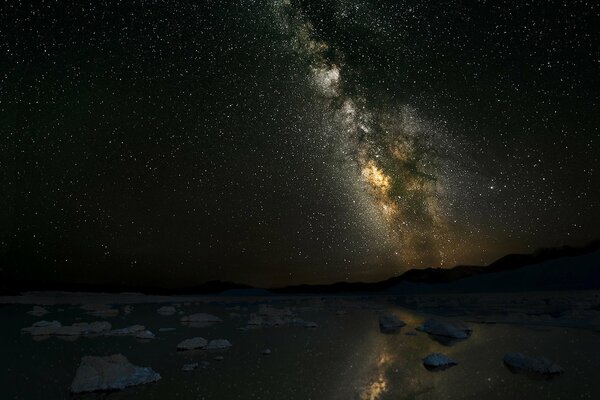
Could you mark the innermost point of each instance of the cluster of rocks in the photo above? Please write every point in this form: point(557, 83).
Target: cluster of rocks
point(274, 317)
point(515, 362)
point(55, 328)
point(581, 309)
point(97, 328)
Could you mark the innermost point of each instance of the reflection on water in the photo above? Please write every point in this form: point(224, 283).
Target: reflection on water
point(377, 385)
point(346, 357)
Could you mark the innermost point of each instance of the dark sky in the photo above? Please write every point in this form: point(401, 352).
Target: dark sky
point(275, 142)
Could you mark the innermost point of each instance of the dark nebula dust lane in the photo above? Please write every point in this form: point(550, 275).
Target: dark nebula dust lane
point(277, 142)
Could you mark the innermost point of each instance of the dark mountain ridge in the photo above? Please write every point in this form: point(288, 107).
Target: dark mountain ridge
point(428, 276)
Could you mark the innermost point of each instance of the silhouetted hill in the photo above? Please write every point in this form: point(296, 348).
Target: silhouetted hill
point(426, 279)
point(437, 276)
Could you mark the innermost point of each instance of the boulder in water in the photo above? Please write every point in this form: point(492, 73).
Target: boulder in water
point(166, 310)
point(113, 372)
point(193, 343)
point(218, 344)
point(520, 363)
point(389, 323)
point(438, 362)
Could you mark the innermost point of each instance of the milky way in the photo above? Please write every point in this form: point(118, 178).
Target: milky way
point(397, 155)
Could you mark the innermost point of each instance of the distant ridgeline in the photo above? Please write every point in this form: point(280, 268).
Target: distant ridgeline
point(561, 268)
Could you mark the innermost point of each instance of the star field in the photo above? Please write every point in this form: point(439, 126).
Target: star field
point(269, 142)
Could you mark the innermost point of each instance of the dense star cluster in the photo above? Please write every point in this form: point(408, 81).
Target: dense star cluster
point(269, 142)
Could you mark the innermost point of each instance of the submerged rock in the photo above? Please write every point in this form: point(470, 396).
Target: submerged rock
point(113, 372)
point(38, 311)
point(166, 310)
point(193, 343)
point(218, 344)
point(518, 362)
point(447, 329)
point(438, 362)
point(389, 323)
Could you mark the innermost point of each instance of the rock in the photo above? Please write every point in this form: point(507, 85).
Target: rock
point(218, 344)
point(72, 330)
point(144, 335)
point(410, 334)
point(193, 343)
point(389, 323)
point(219, 358)
point(266, 352)
point(127, 310)
point(189, 367)
point(200, 318)
point(517, 362)
point(438, 362)
point(166, 329)
point(113, 372)
point(268, 311)
point(129, 331)
point(310, 324)
point(38, 311)
point(43, 328)
point(99, 327)
point(447, 329)
point(166, 310)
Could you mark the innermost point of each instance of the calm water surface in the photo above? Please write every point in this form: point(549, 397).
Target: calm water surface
point(346, 357)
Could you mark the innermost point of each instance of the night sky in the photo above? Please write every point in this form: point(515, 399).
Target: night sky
point(277, 142)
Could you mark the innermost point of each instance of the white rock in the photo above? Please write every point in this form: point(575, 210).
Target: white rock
point(218, 344)
point(113, 372)
point(189, 367)
point(146, 334)
point(99, 327)
point(38, 311)
point(193, 343)
point(43, 328)
point(166, 310)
